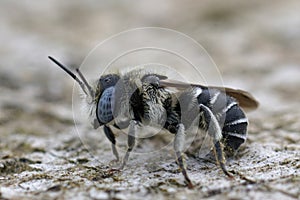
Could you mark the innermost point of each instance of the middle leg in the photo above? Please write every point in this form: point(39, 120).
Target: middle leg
point(130, 142)
point(179, 147)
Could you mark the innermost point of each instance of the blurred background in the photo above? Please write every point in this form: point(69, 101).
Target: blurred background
point(255, 45)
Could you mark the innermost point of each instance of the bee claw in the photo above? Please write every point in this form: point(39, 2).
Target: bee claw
point(190, 185)
point(114, 162)
point(229, 175)
point(112, 170)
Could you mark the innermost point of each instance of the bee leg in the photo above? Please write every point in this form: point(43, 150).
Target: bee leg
point(110, 135)
point(178, 147)
point(221, 159)
point(214, 130)
point(130, 141)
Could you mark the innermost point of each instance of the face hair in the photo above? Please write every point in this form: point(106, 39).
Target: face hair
point(83, 84)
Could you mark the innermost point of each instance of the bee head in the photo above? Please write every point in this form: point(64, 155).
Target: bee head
point(109, 80)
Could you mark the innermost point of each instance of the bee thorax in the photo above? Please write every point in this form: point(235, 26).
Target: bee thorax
point(155, 114)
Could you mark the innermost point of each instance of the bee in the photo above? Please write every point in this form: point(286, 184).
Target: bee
point(139, 98)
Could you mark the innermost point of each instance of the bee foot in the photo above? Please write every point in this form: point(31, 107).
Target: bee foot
point(114, 162)
point(113, 170)
point(190, 185)
point(230, 176)
point(121, 167)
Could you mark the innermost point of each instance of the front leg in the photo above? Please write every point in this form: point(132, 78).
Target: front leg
point(178, 147)
point(111, 137)
point(130, 141)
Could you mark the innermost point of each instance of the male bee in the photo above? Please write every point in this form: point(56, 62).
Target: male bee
point(142, 98)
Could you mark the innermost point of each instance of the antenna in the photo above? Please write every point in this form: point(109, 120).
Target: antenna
point(70, 73)
point(86, 83)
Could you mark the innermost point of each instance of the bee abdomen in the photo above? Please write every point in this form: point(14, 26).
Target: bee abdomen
point(235, 127)
point(105, 106)
point(231, 117)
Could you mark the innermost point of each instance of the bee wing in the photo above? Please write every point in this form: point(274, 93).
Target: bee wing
point(176, 84)
point(244, 98)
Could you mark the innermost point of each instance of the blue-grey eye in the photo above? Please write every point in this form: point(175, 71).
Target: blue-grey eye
point(105, 105)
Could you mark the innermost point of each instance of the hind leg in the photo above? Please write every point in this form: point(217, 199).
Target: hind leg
point(214, 130)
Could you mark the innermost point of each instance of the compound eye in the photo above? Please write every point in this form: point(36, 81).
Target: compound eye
point(105, 106)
